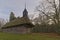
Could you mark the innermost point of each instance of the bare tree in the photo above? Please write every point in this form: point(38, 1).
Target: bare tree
point(2, 22)
point(49, 9)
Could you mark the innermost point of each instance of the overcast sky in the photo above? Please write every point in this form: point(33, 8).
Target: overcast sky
point(16, 6)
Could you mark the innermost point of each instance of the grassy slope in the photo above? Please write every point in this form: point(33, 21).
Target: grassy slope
point(8, 36)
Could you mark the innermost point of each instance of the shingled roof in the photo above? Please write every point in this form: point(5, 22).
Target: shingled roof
point(18, 22)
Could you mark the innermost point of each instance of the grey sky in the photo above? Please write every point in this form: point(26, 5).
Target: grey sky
point(17, 6)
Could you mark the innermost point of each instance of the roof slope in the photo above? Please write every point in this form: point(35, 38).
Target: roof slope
point(18, 21)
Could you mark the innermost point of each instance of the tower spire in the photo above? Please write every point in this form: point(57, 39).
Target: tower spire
point(25, 4)
point(25, 12)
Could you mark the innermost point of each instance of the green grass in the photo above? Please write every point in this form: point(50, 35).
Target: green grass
point(10, 36)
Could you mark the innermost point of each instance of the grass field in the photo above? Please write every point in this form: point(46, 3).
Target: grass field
point(35, 36)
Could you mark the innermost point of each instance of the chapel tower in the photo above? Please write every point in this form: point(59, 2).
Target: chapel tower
point(25, 12)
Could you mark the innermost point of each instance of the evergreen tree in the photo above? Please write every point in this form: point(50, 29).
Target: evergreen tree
point(12, 16)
